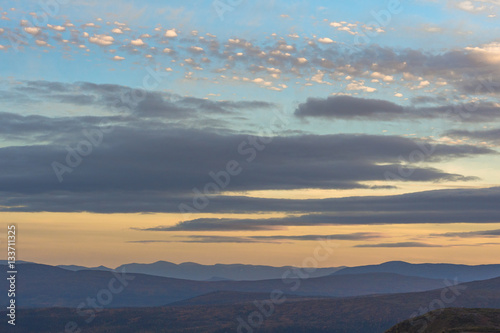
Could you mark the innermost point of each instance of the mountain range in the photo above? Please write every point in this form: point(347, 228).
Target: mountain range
point(364, 314)
point(464, 273)
point(49, 286)
point(199, 272)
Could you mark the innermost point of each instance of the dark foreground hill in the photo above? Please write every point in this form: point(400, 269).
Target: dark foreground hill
point(452, 320)
point(367, 314)
point(49, 286)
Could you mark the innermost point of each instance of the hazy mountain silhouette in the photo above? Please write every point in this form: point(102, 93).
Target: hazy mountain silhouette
point(83, 268)
point(463, 273)
point(194, 271)
point(46, 286)
point(240, 272)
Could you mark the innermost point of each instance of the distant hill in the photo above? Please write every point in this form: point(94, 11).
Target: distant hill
point(48, 286)
point(241, 272)
point(453, 320)
point(194, 271)
point(366, 314)
point(5, 262)
point(463, 273)
point(83, 268)
point(230, 297)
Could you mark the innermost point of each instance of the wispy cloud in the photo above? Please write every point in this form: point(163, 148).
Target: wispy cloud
point(261, 239)
point(402, 244)
point(470, 234)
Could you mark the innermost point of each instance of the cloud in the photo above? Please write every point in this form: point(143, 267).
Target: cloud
point(32, 30)
point(35, 128)
point(56, 27)
point(383, 77)
point(302, 61)
point(206, 239)
point(491, 135)
point(359, 86)
point(402, 244)
point(118, 58)
point(476, 6)
point(348, 107)
point(176, 161)
point(458, 67)
point(262, 239)
point(101, 40)
point(443, 206)
point(432, 28)
point(489, 53)
point(171, 33)
point(469, 6)
point(137, 42)
point(216, 225)
point(155, 154)
point(139, 102)
point(325, 40)
point(196, 49)
point(470, 234)
point(342, 218)
point(428, 99)
point(172, 159)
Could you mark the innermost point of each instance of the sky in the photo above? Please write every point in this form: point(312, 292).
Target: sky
point(233, 131)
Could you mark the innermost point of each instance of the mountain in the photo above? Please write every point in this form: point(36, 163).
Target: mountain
point(194, 271)
point(452, 321)
point(366, 314)
point(48, 286)
point(83, 268)
point(241, 272)
point(5, 262)
point(464, 273)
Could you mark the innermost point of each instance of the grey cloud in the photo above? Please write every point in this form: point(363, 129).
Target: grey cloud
point(139, 102)
point(176, 160)
point(351, 237)
point(40, 128)
point(470, 234)
point(492, 135)
point(347, 107)
point(205, 239)
point(443, 206)
point(487, 83)
point(402, 244)
point(428, 99)
point(75, 99)
point(263, 239)
point(43, 87)
point(221, 224)
point(364, 217)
